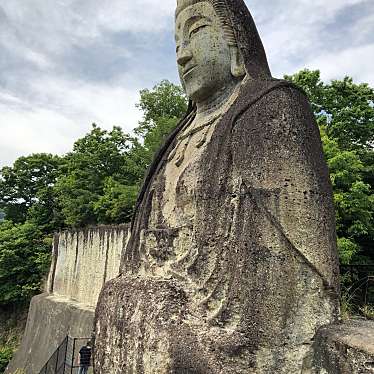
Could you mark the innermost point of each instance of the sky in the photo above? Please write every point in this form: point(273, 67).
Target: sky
point(65, 64)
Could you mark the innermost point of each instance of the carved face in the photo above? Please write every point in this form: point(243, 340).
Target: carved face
point(203, 55)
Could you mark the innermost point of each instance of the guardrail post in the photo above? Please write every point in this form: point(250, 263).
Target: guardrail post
point(72, 357)
point(66, 341)
point(58, 356)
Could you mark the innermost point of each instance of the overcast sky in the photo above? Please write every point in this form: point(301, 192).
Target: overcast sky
point(65, 64)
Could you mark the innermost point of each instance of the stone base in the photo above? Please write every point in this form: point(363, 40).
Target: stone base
point(148, 326)
point(339, 349)
point(49, 320)
point(345, 349)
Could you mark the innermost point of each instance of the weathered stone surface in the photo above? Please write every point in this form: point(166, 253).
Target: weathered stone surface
point(231, 266)
point(84, 260)
point(345, 349)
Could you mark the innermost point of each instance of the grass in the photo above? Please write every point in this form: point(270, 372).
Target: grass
point(11, 329)
point(367, 311)
point(349, 302)
point(6, 353)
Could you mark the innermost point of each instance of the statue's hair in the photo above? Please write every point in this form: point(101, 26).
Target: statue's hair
point(220, 6)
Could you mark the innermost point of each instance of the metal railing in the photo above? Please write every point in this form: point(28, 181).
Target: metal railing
point(65, 359)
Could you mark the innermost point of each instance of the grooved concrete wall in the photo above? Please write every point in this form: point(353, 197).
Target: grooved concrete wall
point(84, 261)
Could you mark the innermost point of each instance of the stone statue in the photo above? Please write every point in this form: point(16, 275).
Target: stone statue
point(231, 265)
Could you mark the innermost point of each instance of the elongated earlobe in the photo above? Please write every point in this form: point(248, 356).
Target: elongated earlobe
point(237, 63)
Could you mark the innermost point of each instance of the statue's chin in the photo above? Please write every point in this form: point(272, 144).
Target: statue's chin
point(200, 93)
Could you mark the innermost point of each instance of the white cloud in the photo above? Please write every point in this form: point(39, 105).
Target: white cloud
point(337, 65)
point(299, 32)
point(46, 44)
point(55, 26)
point(104, 104)
point(65, 112)
point(30, 131)
point(135, 16)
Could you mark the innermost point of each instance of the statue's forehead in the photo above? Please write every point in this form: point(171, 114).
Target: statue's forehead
point(195, 11)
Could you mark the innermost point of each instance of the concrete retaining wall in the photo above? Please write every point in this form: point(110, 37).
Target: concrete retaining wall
point(82, 262)
point(49, 320)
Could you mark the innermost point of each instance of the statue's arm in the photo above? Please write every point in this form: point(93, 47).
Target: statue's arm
point(277, 153)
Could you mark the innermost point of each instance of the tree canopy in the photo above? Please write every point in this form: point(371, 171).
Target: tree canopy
point(98, 171)
point(162, 108)
point(24, 260)
point(27, 184)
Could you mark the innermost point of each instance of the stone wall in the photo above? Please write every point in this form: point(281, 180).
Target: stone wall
point(82, 262)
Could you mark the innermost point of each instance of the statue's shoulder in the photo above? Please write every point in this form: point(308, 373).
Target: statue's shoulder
point(273, 91)
point(270, 99)
point(279, 113)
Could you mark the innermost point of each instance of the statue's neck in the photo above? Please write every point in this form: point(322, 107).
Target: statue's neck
point(215, 102)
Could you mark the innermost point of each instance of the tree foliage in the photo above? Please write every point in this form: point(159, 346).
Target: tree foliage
point(24, 260)
point(27, 184)
point(98, 161)
point(164, 101)
point(162, 108)
point(6, 353)
point(116, 203)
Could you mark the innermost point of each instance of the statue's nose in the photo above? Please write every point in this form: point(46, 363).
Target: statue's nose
point(184, 55)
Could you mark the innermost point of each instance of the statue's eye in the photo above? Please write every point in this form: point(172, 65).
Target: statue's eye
point(197, 29)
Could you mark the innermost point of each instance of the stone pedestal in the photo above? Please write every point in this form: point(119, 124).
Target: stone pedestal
point(347, 348)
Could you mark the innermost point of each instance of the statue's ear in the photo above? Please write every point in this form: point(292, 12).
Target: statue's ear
point(237, 63)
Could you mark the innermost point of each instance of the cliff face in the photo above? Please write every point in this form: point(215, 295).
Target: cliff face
point(82, 262)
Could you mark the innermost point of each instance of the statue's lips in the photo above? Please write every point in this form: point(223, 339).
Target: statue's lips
point(189, 70)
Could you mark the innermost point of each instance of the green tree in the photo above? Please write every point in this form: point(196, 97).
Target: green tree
point(98, 158)
point(346, 109)
point(29, 183)
point(165, 100)
point(117, 202)
point(24, 260)
point(162, 108)
point(6, 353)
point(345, 114)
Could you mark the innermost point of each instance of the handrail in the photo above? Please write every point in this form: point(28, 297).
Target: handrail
point(65, 358)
